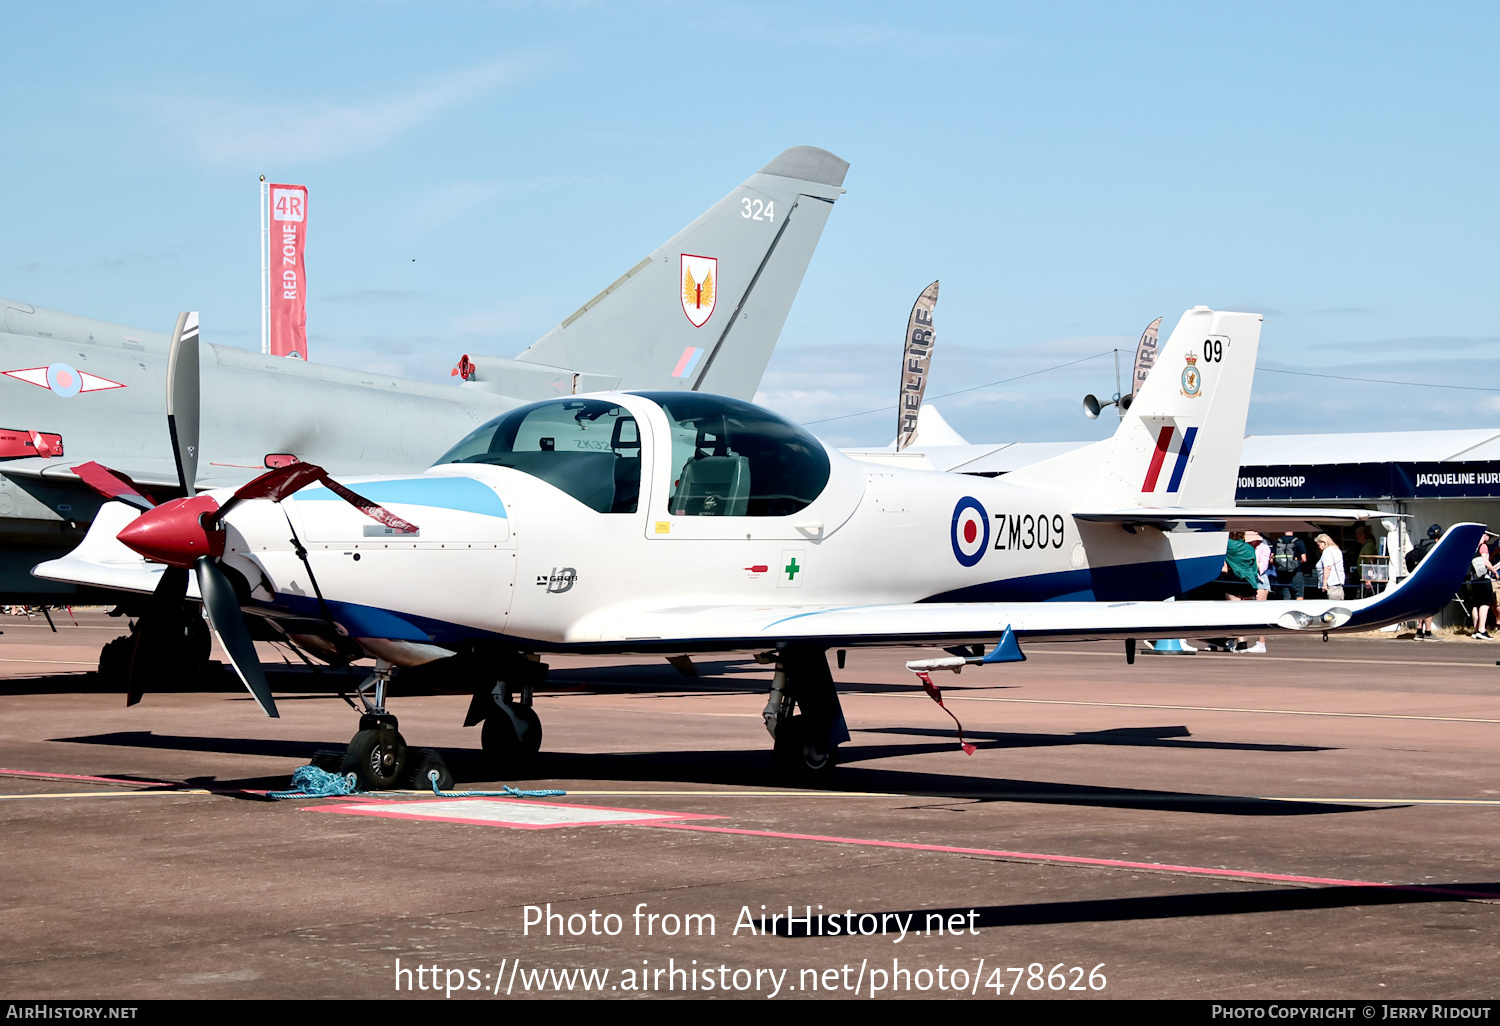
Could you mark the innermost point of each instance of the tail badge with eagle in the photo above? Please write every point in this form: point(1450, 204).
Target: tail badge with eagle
point(699, 284)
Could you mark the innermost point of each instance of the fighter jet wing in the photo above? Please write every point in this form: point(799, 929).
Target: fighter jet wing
point(153, 473)
point(1431, 585)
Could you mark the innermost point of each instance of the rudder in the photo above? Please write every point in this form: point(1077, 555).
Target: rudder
point(704, 311)
point(1179, 443)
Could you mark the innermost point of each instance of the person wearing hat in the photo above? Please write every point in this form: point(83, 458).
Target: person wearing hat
point(1240, 565)
point(1262, 582)
point(1416, 555)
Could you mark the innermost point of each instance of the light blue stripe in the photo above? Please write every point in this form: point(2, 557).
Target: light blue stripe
point(459, 493)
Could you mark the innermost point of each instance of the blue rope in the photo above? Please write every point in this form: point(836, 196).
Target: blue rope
point(508, 791)
point(312, 782)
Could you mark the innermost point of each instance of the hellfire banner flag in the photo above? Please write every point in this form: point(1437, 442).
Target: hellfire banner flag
point(288, 271)
point(915, 360)
point(1145, 356)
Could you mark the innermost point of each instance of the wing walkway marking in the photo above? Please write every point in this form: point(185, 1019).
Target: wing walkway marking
point(1075, 860)
point(1214, 708)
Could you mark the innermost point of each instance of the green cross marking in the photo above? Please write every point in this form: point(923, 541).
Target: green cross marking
point(791, 569)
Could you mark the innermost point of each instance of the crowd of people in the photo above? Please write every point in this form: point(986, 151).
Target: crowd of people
point(1255, 566)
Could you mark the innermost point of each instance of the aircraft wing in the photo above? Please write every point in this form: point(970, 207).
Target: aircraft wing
point(1429, 587)
point(1232, 518)
point(152, 473)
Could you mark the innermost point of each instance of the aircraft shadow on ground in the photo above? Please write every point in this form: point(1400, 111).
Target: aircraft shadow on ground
point(1178, 906)
point(743, 768)
point(729, 676)
point(1150, 737)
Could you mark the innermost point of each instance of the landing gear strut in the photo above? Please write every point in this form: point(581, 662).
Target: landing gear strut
point(512, 732)
point(377, 754)
point(807, 740)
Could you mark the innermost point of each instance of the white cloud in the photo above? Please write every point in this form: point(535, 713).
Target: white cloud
point(523, 313)
point(436, 206)
point(227, 131)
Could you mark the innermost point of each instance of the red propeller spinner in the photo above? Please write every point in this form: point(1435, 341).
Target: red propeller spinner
point(177, 532)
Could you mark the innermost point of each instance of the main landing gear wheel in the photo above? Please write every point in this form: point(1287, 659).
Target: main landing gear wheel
point(114, 659)
point(800, 756)
point(377, 758)
point(511, 737)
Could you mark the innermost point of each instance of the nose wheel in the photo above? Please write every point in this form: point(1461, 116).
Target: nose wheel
point(377, 755)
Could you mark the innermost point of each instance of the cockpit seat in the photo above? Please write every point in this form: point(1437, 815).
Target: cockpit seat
point(713, 486)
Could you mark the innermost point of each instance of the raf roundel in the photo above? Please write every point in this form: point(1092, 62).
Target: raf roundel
point(64, 380)
point(970, 533)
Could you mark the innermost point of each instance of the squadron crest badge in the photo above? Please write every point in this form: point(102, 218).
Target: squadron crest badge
point(700, 284)
point(1192, 377)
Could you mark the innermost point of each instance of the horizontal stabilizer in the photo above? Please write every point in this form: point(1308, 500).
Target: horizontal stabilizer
point(1232, 518)
point(521, 380)
point(1180, 440)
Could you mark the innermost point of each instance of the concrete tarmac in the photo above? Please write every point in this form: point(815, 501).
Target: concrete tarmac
point(1317, 822)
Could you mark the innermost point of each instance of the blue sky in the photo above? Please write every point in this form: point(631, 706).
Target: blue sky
point(1069, 172)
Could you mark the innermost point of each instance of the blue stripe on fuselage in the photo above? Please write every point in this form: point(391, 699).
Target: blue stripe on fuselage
point(1144, 582)
point(458, 493)
point(1182, 458)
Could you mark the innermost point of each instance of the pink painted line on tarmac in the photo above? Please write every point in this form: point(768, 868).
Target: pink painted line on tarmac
point(1076, 860)
point(75, 776)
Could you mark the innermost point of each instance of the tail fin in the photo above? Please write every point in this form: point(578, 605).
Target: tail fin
point(703, 311)
point(1179, 443)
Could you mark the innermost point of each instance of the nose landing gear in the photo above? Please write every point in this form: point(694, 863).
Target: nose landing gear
point(377, 754)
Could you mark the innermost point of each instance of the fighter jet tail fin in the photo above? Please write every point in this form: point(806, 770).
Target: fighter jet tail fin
point(703, 311)
point(1179, 443)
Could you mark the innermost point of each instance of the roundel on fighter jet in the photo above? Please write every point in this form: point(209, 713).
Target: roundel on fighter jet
point(970, 533)
point(64, 380)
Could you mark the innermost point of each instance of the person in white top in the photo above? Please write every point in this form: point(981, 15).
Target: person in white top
point(1330, 568)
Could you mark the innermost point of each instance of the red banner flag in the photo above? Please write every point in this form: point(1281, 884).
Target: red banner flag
point(288, 272)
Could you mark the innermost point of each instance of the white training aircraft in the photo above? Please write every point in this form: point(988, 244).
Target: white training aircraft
point(673, 522)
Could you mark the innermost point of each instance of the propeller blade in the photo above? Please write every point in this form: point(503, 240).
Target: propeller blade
point(228, 625)
point(112, 485)
point(182, 400)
